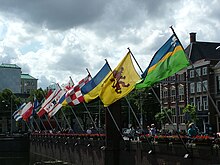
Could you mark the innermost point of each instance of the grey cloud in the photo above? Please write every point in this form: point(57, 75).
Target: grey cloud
point(55, 14)
point(43, 82)
point(25, 68)
point(131, 15)
point(103, 16)
point(73, 61)
point(8, 54)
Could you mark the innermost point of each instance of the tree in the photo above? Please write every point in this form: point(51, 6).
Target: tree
point(190, 113)
point(162, 117)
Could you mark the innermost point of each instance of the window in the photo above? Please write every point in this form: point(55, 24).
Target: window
point(173, 94)
point(191, 73)
point(205, 86)
point(192, 88)
point(204, 71)
point(181, 92)
point(172, 79)
point(192, 101)
point(165, 95)
point(198, 87)
point(182, 77)
point(205, 102)
point(198, 72)
point(198, 104)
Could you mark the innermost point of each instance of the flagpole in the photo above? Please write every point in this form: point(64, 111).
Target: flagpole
point(36, 123)
point(71, 80)
point(162, 105)
point(170, 120)
point(139, 124)
point(42, 123)
point(31, 123)
point(135, 60)
point(87, 108)
point(171, 27)
point(66, 119)
point(90, 116)
point(48, 121)
point(57, 123)
point(88, 71)
point(27, 125)
point(77, 119)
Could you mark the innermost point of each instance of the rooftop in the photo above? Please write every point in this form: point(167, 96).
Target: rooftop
point(4, 65)
point(27, 76)
point(203, 50)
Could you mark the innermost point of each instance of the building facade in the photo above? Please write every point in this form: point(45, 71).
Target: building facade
point(198, 85)
point(10, 77)
point(28, 84)
point(21, 85)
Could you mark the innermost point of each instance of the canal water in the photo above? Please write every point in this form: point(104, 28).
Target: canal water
point(18, 158)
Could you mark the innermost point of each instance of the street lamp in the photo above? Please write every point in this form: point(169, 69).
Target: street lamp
point(3, 101)
point(11, 115)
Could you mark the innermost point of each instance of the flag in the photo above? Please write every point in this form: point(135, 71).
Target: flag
point(55, 104)
point(47, 101)
point(66, 87)
point(17, 114)
point(69, 85)
point(49, 93)
point(168, 60)
point(27, 111)
point(120, 82)
point(74, 96)
point(92, 89)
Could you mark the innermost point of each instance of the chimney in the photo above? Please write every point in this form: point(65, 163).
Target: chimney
point(192, 37)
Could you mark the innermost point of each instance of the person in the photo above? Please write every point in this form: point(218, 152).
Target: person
point(153, 130)
point(192, 130)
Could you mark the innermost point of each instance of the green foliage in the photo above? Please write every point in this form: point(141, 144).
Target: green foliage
point(162, 116)
point(191, 111)
point(144, 101)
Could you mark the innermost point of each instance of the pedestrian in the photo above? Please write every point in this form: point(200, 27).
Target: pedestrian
point(153, 130)
point(192, 130)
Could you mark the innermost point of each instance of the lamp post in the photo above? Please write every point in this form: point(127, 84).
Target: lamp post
point(3, 101)
point(11, 116)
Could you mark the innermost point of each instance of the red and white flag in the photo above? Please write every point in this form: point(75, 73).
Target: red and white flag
point(74, 96)
point(55, 105)
point(45, 106)
point(27, 111)
point(69, 85)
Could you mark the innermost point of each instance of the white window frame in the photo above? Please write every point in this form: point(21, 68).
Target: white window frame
point(191, 73)
point(198, 71)
point(173, 94)
point(165, 95)
point(181, 92)
point(198, 87)
point(192, 101)
point(198, 104)
point(204, 71)
point(192, 87)
point(205, 86)
point(205, 102)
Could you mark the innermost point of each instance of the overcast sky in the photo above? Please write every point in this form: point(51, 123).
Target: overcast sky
point(54, 39)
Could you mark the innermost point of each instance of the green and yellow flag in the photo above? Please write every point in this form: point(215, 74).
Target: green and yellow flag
point(120, 82)
point(168, 60)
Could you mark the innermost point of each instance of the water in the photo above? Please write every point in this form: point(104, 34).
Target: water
point(16, 158)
